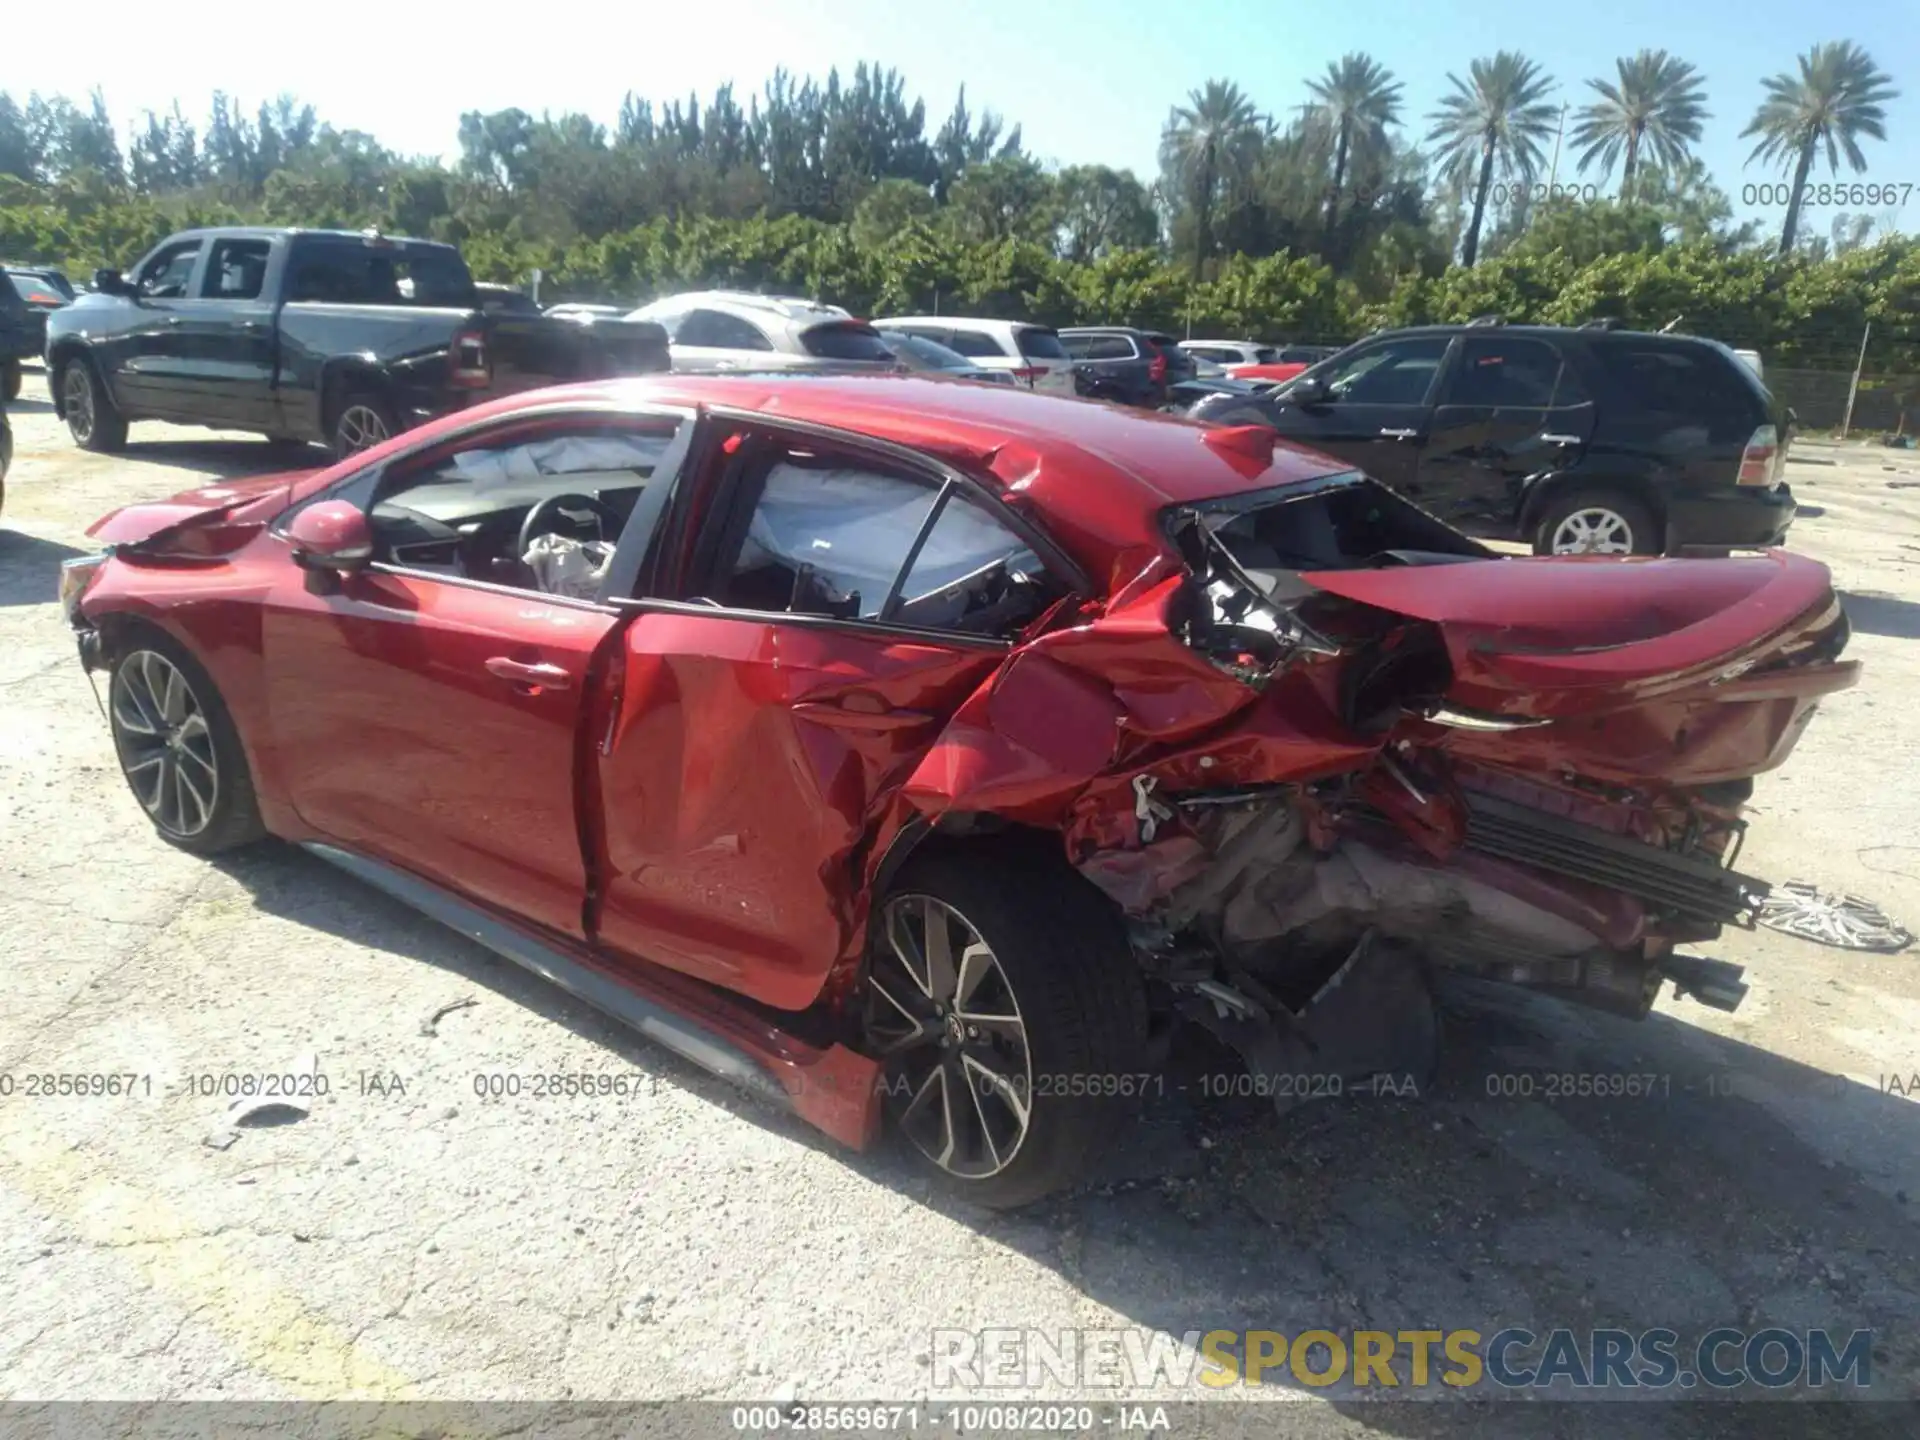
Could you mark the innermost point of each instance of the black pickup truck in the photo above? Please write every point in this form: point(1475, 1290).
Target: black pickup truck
point(333, 336)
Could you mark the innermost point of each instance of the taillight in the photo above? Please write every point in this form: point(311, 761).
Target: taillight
point(472, 367)
point(1157, 368)
point(1760, 462)
point(1030, 373)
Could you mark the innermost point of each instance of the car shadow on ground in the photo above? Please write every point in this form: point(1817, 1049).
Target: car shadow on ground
point(1731, 1187)
point(26, 404)
point(1874, 612)
point(227, 459)
point(29, 567)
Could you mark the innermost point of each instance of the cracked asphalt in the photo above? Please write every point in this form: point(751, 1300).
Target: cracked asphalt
point(409, 1237)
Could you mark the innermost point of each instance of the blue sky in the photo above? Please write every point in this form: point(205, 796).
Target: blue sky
point(1090, 80)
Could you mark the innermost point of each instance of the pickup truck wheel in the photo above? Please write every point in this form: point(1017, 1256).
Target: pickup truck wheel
point(362, 421)
point(178, 747)
point(1004, 1002)
point(10, 379)
point(1596, 522)
point(92, 418)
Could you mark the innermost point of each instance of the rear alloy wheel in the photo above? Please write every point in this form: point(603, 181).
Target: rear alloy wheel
point(1596, 523)
point(364, 420)
point(1005, 1005)
point(179, 751)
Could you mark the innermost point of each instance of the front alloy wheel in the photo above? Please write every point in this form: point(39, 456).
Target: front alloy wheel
point(165, 744)
point(1593, 530)
point(942, 1014)
point(76, 394)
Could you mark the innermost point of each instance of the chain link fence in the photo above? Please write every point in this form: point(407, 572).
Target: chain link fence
point(1885, 404)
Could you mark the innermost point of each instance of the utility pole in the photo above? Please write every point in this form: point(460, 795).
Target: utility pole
point(1553, 172)
point(1854, 388)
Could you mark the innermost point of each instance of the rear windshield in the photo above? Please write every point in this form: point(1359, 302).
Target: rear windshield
point(38, 290)
point(1038, 344)
point(1338, 522)
point(347, 273)
point(846, 342)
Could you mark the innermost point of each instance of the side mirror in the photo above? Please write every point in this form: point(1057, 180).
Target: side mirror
point(1307, 390)
point(111, 282)
point(331, 536)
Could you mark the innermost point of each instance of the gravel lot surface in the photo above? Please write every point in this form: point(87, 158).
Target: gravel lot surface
point(409, 1239)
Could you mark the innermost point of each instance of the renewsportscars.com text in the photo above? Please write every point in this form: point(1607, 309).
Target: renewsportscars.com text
point(1509, 1359)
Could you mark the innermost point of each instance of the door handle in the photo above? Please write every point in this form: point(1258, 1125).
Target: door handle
point(520, 672)
point(173, 320)
point(1560, 439)
point(1399, 434)
point(251, 325)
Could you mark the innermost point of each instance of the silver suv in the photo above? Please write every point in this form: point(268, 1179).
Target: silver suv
point(710, 330)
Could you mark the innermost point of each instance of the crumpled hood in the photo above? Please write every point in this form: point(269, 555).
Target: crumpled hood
point(252, 498)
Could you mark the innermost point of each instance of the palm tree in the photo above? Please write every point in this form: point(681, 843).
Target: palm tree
point(1838, 96)
point(1656, 106)
point(1499, 113)
point(1356, 101)
point(1214, 137)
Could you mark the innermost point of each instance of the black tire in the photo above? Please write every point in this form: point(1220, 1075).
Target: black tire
point(1622, 509)
point(353, 416)
point(172, 774)
point(1062, 951)
point(93, 420)
point(10, 380)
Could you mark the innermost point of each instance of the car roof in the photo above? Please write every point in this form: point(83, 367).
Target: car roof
point(1098, 474)
point(963, 322)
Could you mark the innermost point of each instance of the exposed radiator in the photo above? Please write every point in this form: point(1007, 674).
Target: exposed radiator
point(1695, 886)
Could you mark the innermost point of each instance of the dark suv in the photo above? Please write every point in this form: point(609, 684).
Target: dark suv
point(1118, 362)
point(1589, 440)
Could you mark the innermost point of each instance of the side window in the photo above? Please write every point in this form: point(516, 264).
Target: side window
point(977, 343)
point(1509, 372)
point(236, 270)
point(459, 510)
point(1106, 347)
point(165, 276)
point(841, 537)
point(717, 331)
point(328, 274)
point(1394, 372)
point(1680, 380)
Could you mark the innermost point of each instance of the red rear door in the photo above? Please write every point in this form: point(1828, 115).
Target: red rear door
point(839, 605)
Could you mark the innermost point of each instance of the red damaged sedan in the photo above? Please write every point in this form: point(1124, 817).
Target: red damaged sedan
point(927, 750)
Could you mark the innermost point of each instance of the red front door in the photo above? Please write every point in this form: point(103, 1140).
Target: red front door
point(738, 780)
point(432, 723)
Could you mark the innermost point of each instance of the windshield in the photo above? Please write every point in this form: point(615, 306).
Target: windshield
point(930, 353)
point(846, 342)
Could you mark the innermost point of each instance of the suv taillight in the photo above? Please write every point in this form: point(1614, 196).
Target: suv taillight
point(1030, 374)
point(1760, 462)
point(1157, 368)
point(471, 368)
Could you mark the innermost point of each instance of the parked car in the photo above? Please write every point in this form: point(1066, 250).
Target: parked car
point(1183, 396)
point(1231, 352)
point(505, 300)
point(50, 276)
point(20, 332)
point(1595, 441)
point(928, 356)
point(42, 297)
point(307, 335)
point(1118, 362)
point(6, 454)
point(738, 330)
point(964, 738)
point(572, 310)
point(1032, 354)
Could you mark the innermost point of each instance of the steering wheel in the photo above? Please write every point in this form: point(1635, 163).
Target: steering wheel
point(539, 518)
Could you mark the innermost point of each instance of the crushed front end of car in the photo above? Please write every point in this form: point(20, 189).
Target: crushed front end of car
point(1326, 747)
